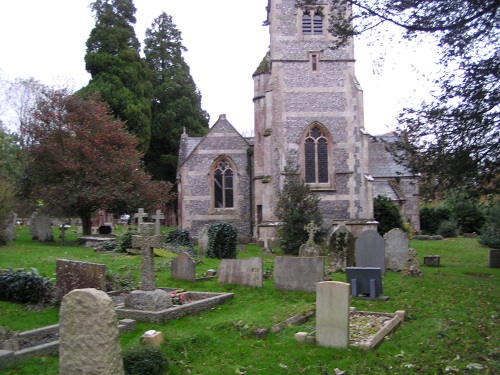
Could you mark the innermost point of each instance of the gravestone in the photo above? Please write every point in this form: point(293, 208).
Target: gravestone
point(10, 234)
point(494, 258)
point(366, 282)
point(184, 267)
point(88, 334)
point(291, 273)
point(370, 250)
point(157, 218)
point(203, 240)
point(72, 275)
point(412, 267)
point(310, 249)
point(246, 272)
point(332, 314)
point(397, 244)
point(341, 245)
point(148, 298)
point(40, 227)
point(140, 218)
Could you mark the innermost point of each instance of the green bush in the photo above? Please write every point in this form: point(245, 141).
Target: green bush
point(432, 216)
point(25, 287)
point(180, 237)
point(490, 232)
point(387, 214)
point(448, 229)
point(125, 242)
point(222, 241)
point(144, 360)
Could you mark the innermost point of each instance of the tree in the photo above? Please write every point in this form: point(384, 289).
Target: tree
point(297, 206)
point(387, 214)
point(83, 159)
point(118, 73)
point(176, 100)
point(452, 139)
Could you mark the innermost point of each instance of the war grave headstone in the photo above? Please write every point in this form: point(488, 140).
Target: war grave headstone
point(412, 267)
point(40, 227)
point(291, 273)
point(397, 244)
point(370, 250)
point(72, 275)
point(203, 240)
point(341, 245)
point(148, 297)
point(246, 272)
point(366, 282)
point(184, 267)
point(332, 314)
point(140, 215)
point(310, 249)
point(494, 258)
point(89, 335)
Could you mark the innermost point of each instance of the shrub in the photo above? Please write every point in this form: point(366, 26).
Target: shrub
point(431, 217)
point(25, 287)
point(144, 360)
point(125, 242)
point(490, 232)
point(115, 281)
point(387, 214)
point(448, 229)
point(180, 237)
point(222, 241)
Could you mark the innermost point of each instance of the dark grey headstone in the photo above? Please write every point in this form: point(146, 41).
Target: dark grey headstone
point(494, 258)
point(370, 250)
point(72, 275)
point(184, 267)
point(246, 272)
point(365, 281)
point(302, 273)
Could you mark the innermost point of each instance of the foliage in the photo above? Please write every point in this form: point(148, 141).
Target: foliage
point(25, 287)
point(82, 159)
point(448, 228)
point(453, 138)
point(119, 74)
point(118, 282)
point(432, 216)
point(125, 241)
point(465, 210)
point(176, 105)
point(180, 237)
point(142, 360)
point(222, 241)
point(387, 214)
point(490, 232)
point(297, 206)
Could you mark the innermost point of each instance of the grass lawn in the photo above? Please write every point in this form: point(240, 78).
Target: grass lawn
point(451, 325)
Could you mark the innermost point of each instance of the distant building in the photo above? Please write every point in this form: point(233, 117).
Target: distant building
point(308, 108)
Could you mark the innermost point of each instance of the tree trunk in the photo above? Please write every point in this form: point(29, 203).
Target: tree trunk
point(86, 217)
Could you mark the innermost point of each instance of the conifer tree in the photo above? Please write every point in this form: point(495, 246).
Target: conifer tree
point(119, 74)
point(176, 101)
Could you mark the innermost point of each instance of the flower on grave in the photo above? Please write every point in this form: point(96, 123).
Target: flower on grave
point(177, 299)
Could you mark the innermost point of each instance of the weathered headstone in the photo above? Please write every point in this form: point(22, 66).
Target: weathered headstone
point(397, 244)
point(291, 273)
point(370, 250)
point(140, 218)
point(332, 314)
point(72, 275)
point(494, 258)
point(310, 248)
point(246, 272)
point(412, 267)
point(88, 334)
point(10, 234)
point(203, 240)
point(157, 218)
point(341, 245)
point(184, 267)
point(40, 227)
point(148, 297)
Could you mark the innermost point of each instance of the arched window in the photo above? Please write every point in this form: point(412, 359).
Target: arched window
point(223, 185)
point(316, 156)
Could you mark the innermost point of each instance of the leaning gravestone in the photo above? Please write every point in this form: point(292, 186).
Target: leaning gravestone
point(332, 314)
point(40, 227)
point(246, 272)
point(341, 249)
point(397, 244)
point(370, 250)
point(291, 273)
point(184, 267)
point(203, 240)
point(10, 234)
point(88, 334)
point(72, 275)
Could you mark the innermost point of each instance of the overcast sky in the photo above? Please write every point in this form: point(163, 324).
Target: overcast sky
point(45, 39)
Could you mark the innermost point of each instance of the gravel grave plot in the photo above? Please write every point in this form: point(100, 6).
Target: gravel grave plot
point(363, 326)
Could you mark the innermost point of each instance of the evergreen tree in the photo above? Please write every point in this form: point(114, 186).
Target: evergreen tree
point(176, 100)
point(118, 73)
point(387, 214)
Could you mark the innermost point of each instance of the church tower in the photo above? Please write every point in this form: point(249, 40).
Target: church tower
point(308, 108)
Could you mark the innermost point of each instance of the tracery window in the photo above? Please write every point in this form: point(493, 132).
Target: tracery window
point(223, 185)
point(316, 156)
point(312, 22)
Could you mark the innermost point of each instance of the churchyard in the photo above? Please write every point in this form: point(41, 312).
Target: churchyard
point(451, 322)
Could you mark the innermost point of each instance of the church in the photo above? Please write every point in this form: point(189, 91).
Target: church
point(308, 110)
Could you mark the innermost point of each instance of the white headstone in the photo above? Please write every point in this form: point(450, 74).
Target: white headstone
point(332, 314)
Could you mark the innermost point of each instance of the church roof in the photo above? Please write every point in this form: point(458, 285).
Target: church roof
point(382, 163)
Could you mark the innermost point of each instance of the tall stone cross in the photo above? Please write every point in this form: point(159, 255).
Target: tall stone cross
point(159, 216)
point(140, 216)
point(311, 228)
point(147, 242)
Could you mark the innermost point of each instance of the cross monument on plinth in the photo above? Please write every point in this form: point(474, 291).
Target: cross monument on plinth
point(311, 228)
point(159, 216)
point(147, 242)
